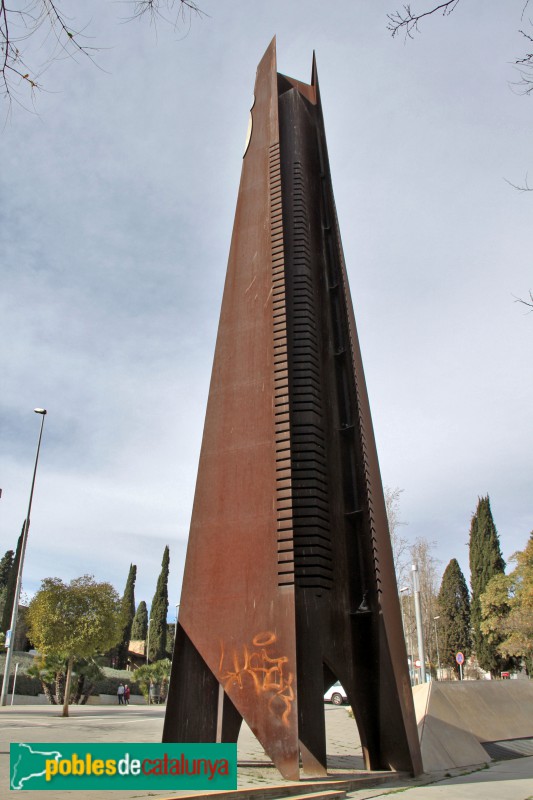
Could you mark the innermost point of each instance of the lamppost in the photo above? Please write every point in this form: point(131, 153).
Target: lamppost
point(26, 528)
point(406, 634)
point(419, 628)
point(148, 639)
point(437, 641)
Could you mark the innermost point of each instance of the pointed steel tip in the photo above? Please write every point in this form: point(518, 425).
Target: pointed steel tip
point(314, 71)
point(269, 58)
point(271, 49)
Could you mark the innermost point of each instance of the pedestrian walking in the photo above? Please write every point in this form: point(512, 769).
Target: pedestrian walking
point(152, 696)
point(127, 695)
point(120, 694)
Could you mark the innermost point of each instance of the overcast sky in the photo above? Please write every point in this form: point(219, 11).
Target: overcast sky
point(117, 203)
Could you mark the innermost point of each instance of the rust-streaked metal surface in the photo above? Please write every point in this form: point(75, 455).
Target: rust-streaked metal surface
point(289, 581)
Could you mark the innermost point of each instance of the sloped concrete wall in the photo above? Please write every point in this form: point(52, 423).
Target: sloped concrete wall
point(454, 718)
point(27, 700)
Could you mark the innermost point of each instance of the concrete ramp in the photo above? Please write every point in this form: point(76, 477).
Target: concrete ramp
point(454, 718)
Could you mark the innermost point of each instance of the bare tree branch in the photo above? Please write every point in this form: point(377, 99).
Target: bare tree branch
point(181, 10)
point(408, 21)
point(528, 303)
point(400, 545)
point(525, 188)
point(43, 22)
point(524, 66)
point(37, 26)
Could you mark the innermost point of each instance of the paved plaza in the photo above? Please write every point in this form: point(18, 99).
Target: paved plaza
point(506, 780)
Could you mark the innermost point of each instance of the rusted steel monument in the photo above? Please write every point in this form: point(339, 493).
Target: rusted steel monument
point(289, 581)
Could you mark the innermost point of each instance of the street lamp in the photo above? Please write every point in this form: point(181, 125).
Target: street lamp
point(437, 641)
point(401, 609)
point(407, 636)
point(25, 529)
point(148, 639)
point(419, 628)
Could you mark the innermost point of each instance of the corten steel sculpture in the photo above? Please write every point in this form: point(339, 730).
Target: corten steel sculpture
point(289, 581)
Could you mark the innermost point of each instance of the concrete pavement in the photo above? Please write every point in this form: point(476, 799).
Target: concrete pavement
point(501, 780)
point(507, 780)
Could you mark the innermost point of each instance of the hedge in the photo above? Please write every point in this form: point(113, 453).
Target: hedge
point(32, 686)
point(24, 685)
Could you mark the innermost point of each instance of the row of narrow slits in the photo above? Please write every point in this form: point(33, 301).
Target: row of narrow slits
point(281, 379)
point(361, 426)
point(352, 426)
point(311, 519)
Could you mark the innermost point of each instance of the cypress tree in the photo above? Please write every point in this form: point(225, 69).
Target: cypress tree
point(454, 610)
point(158, 613)
point(127, 608)
point(485, 562)
point(139, 629)
point(11, 585)
point(6, 564)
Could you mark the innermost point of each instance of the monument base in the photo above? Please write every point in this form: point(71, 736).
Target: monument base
point(455, 718)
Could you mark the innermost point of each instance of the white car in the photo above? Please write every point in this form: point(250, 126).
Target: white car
point(336, 695)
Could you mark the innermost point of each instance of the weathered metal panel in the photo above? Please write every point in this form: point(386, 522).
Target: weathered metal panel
point(233, 610)
point(289, 580)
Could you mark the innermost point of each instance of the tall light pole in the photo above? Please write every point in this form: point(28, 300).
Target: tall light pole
point(437, 641)
point(26, 528)
point(419, 628)
point(148, 639)
point(407, 636)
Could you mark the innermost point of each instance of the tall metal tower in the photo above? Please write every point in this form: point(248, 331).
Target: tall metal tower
point(289, 579)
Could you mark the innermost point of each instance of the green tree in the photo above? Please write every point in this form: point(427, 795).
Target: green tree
point(171, 638)
point(128, 614)
point(156, 675)
point(6, 564)
point(87, 674)
point(74, 621)
point(11, 585)
point(454, 611)
point(485, 562)
point(507, 609)
point(51, 669)
point(158, 613)
point(139, 628)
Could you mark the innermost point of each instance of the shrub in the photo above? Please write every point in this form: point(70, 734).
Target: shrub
point(24, 685)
